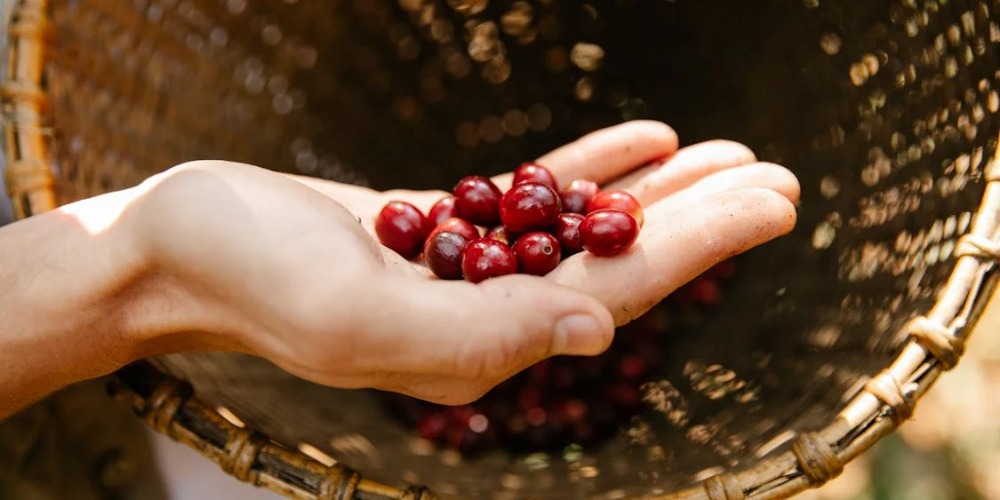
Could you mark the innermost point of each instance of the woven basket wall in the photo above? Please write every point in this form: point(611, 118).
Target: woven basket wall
point(886, 110)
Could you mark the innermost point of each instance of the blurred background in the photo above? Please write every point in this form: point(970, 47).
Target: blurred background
point(951, 447)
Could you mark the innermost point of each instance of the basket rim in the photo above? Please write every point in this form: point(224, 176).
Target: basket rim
point(935, 345)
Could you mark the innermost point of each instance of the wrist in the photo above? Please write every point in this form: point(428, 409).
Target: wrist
point(159, 308)
point(169, 298)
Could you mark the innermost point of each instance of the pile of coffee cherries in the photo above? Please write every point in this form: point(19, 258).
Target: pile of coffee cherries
point(479, 232)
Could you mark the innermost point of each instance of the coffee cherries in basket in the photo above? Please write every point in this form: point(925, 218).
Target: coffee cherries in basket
point(568, 401)
point(479, 232)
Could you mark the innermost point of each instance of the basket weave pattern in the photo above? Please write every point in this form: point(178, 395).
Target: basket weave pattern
point(42, 173)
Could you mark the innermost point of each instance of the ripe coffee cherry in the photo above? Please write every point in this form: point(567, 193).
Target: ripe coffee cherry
point(577, 195)
point(632, 367)
point(705, 290)
point(484, 258)
point(433, 425)
point(533, 172)
point(477, 200)
point(537, 253)
point(567, 231)
point(442, 210)
point(443, 254)
point(402, 228)
point(500, 234)
point(617, 200)
point(456, 225)
point(608, 232)
point(724, 269)
point(528, 207)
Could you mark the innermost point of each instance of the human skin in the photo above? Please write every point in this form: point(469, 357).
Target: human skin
point(219, 256)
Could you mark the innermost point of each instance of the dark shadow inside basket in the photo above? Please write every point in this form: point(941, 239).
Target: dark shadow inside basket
point(883, 114)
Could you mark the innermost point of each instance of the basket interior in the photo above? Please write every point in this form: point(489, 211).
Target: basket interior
point(885, 111)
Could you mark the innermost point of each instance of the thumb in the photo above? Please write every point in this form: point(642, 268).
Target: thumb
point(488, 330)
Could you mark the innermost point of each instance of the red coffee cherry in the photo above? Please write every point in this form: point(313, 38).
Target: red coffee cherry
point(537, 253)
point(617, 200)
point(456, 225)
point(534, 172)
point(567, 231)
point(484, 258)
point(402, 228)
point(608, 232)
point(433, 425)
point(443, 254)
point(442, 210)
point(577, 195)
point(477, 200)
point(705, 290)
point(500, 234)
point(529, 207)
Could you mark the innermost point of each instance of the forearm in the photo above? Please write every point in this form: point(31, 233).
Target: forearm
point(65, 299)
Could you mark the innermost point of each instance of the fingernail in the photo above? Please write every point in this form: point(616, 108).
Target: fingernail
point(578, 334)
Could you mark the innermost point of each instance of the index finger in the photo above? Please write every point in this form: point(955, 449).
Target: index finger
point(606, 154)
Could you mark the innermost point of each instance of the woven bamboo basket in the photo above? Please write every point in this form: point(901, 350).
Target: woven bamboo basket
point(887, 112)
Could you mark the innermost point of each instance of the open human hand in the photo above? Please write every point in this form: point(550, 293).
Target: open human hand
point(703, 203)
point(229, 257)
